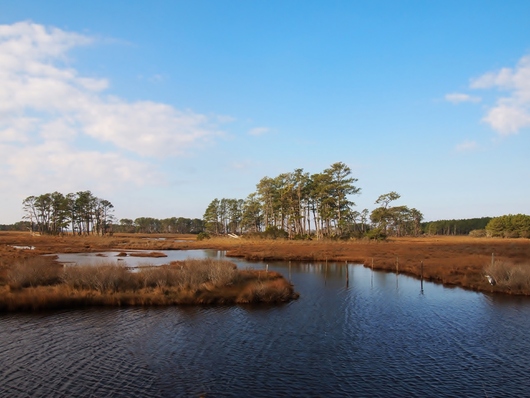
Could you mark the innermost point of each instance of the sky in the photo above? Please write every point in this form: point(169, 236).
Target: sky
point(162, 106)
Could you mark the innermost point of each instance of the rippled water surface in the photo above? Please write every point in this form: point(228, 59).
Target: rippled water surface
point(352, 333)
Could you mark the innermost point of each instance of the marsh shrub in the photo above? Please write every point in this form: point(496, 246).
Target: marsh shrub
point(161, 277)
point(478, 233)
point(196, 272)
point(510, 276)
point(32, 272)
point(375, 234)
point(203, 235)
point(102, 278)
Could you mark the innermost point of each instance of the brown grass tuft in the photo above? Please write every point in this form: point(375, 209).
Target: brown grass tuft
point(511, 277)
point(33, 271)
point(185, 282)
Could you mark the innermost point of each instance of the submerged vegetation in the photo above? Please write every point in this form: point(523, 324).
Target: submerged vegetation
point(36, 283)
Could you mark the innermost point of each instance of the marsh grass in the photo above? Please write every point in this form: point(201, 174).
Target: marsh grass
point(37, 284)
point(510, 276)
point(31, 272)
point(452, 260)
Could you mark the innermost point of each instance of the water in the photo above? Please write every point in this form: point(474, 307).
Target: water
point(377, 337)
point(112, 257)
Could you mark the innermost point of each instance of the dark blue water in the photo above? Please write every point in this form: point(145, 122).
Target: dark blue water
point(352, 333)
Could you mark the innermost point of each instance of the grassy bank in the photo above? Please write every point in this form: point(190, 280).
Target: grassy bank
point(37, 284)
point(451, 260)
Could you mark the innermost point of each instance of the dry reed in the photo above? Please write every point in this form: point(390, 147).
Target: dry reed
point(511, 277)
point(34, 285)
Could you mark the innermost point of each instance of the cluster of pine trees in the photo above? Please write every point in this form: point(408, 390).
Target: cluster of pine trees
point(509, 226)
point(302, 205)
point(80, 212)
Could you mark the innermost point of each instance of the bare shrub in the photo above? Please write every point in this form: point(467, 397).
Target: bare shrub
point(102, 278)
point(161, 277)
point(32, 272)
point(478, 233)
point(196, 272)
point(222, 273)
point(510, 276)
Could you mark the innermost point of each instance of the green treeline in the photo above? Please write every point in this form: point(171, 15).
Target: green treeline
point(83, 213)
point(293, 205)
point(80, 212)
point(509, 226)
point(18, 226)
point(300, 205)
point(455, 227)
point(148, 225)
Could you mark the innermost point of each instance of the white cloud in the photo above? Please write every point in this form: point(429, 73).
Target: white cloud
point(49, 113)
point(466, 146)
point(457, 98)
point(508, 117)
point(55, 165)
point(511, 113)
point(256, 131)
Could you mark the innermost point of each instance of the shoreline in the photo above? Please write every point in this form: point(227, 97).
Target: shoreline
point(449, 260)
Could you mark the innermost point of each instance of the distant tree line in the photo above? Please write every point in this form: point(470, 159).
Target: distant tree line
point(148, 225)
point(83, 213)
point(509, 226)
point(455, 227)
point(80, 212)
point(18, 226)
point(301, 205)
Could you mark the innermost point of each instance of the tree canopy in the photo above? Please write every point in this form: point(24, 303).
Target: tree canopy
point(509, 226)
point(81, 212)
point(302, 205)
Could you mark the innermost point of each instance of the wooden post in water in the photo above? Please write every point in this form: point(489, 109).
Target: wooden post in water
point(492, 260)
point(289, 271)
point(397, 265)
point(421, 277)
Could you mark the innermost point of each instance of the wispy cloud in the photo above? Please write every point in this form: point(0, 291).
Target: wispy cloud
point(48, 113)
point(457, 98)
point(466, 146)
point(511, 112)
point(256, 131)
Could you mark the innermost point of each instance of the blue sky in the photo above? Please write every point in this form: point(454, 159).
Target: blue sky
point(162, 106)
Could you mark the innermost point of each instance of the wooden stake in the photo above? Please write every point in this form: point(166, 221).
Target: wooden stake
point(347, 274)
point(421, 277)
point(397, 265)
